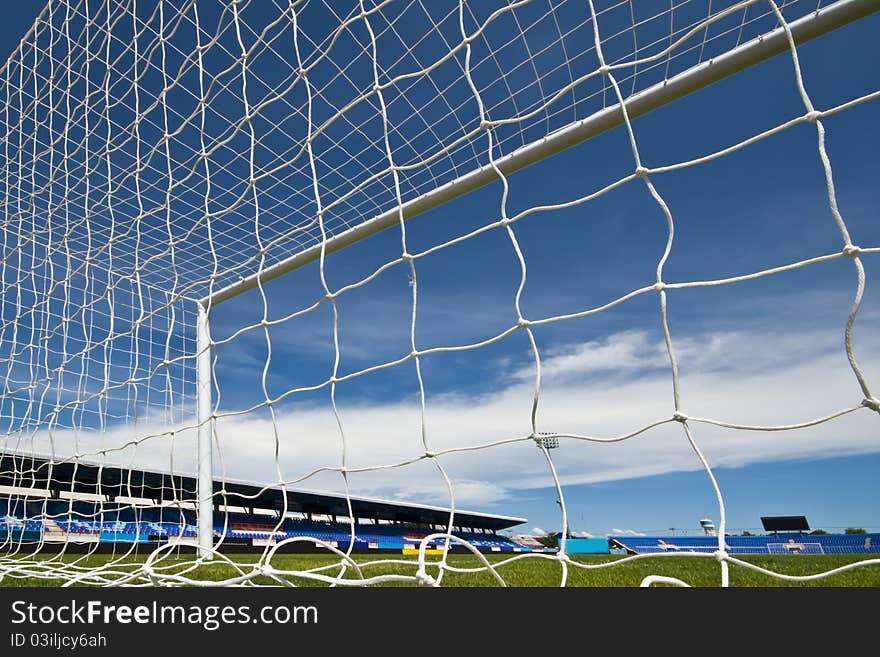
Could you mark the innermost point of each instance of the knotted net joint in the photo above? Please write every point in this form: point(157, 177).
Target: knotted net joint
point(678, 416)
point(604, 69)
point(851, 250)
point(659, 286)
point(522, 322)
point(641, 172)
point(546, 440)
point(873, 403)
point(720, 555)
point(813, 116)
point(424, 579)
point(485, 125)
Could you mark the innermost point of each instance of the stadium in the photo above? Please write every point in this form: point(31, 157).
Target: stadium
point(347, 293)
point(79, 510)
point(80, 525)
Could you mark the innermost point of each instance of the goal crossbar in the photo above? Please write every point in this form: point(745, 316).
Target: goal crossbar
point(702, 75)
point(697, 77)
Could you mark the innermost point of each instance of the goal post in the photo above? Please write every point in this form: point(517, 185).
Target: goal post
point(761, 48)
point(164, 162)
point(205, 442)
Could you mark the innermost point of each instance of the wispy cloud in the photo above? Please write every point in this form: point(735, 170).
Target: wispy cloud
point(623, 352)
point(625, 532)
point(758, 378)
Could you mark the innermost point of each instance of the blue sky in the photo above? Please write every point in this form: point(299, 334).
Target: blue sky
point(767, 351)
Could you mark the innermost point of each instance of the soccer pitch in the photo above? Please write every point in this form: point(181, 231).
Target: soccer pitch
point(521, 572)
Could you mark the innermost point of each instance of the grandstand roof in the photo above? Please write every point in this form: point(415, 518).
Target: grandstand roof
point(75, 476)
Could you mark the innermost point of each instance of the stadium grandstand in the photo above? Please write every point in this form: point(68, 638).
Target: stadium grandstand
point(88, 507)
point(77, 506)
point(778, 543)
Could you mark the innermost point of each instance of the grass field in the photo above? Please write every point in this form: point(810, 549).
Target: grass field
point(702, 572)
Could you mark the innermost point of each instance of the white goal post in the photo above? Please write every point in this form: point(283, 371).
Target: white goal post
point(768, 45)
point(169, 162)
point(765, 46)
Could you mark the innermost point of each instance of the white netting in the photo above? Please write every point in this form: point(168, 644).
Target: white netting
point(157, 153)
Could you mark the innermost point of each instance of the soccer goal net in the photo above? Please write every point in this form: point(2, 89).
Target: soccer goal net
point(641, 247)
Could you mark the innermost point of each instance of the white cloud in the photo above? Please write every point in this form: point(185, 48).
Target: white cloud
point(625, 532)
point(537, 531)
point(626, 351)
point(756, 377)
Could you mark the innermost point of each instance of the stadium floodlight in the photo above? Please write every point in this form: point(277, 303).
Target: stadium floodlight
point(165, 162)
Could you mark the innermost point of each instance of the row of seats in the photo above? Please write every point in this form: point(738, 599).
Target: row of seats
point(115, 527)
point(767, 544)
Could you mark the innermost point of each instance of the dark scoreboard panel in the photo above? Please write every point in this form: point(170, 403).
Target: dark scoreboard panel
point(785, 523)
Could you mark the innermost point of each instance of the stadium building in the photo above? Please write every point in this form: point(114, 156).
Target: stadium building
point(784, 543)
point(88, 507)
point(74, 506)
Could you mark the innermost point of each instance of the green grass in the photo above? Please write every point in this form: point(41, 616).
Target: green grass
point(522, 573)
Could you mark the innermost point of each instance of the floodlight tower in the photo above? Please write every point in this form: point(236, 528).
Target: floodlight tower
point(545, 442)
